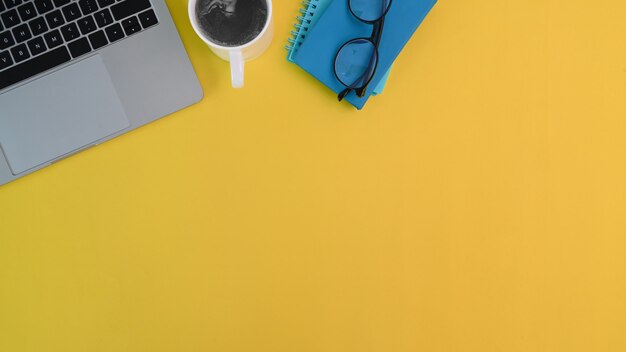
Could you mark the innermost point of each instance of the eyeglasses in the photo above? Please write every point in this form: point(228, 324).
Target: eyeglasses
point(357, 60)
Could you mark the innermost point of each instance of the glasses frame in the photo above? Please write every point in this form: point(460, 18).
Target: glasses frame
point(374, 39)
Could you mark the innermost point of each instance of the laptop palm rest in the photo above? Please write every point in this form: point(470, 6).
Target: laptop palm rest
point(58, 114)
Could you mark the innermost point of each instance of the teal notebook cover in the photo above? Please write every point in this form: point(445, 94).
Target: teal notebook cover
point(310, 13)
point(337, 26)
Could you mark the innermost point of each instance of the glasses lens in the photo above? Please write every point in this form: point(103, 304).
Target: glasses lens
point(369, 10)
point(356, 62)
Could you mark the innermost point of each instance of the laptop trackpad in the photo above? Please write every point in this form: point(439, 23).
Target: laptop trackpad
point(58, 114)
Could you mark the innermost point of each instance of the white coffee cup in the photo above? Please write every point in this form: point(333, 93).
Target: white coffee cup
point(237, 55)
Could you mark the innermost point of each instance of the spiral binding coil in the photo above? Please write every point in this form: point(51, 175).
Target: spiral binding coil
point(301, 25)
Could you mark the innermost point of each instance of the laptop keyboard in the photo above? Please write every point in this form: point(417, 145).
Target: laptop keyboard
point(38, 35)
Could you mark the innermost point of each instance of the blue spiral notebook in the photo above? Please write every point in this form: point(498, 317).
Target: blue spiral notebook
point(310, 13)
point(337, 26)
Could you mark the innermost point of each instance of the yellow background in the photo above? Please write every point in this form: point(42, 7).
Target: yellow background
point(479, 204)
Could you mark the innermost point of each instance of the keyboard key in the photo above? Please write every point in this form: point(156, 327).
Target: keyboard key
point(12, 3)
point(36, 46)
point(104, 3)
point(20, 53)
point(114, 32)
point(2, 8)
point(87, 25)
point(98, 40)
point(55, 19)
point(38, 26)
point(79, 47)
point(34, 67)
point(5, 60)
point(43, 6)
point(59, 3)
point(131, 25)
point(71, 12)
point(6, 40)
point(10, 18)
point(70, 32)
point(27, 11)
point(21, 33)
point(148, 19)
point(127, 8)
point(103, 18)
point(53, 39)
point(88, 6)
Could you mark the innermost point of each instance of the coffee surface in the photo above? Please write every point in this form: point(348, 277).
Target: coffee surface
point(231, 22)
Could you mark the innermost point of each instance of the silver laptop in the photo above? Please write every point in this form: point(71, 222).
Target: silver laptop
point(75, 73)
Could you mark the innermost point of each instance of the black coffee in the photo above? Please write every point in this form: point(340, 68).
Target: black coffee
point(231, 22)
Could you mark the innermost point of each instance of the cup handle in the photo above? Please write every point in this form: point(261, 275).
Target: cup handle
point(236, 68)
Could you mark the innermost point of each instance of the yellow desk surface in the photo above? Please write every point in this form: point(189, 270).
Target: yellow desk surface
point(479, 204)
